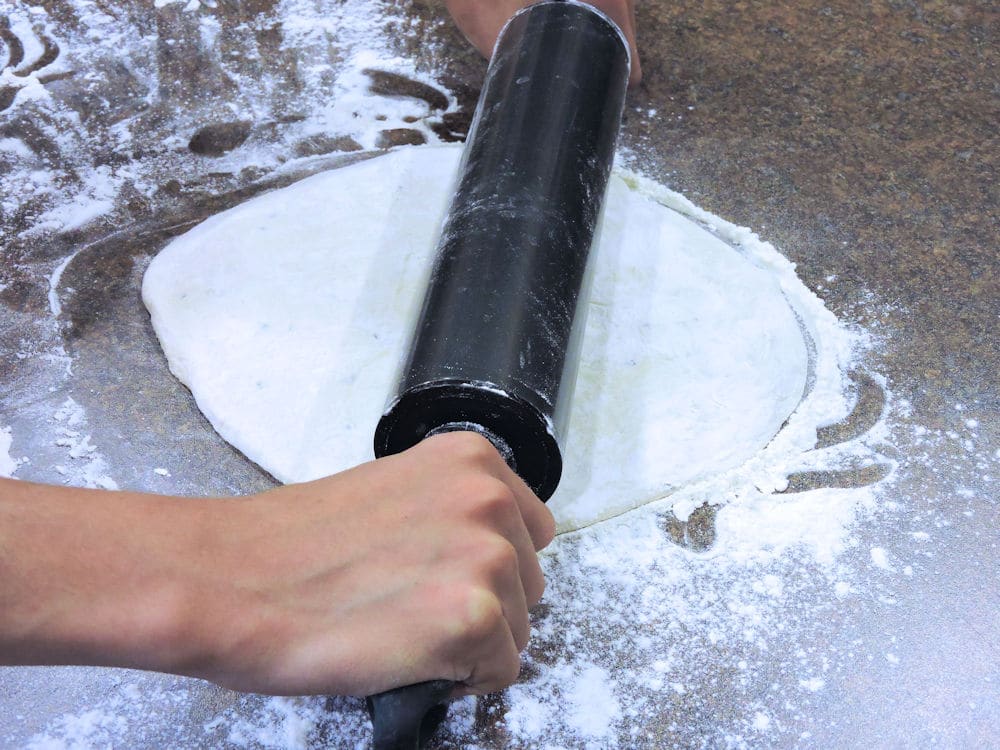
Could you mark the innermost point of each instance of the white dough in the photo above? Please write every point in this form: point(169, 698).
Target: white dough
point(287, 315)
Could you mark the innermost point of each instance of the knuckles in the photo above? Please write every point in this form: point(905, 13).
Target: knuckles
point(478, 615)
point(496, 559)
point(487, 500)
point(465, 447)
point(483, 558)
point(507, 674)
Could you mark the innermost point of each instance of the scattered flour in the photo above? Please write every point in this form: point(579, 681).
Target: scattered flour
point(96, 171)
point(8, 464)
point(86, 466)
point(284, 723)
point(589, 708)
point(880, 559)
point(85, 731)
point(55, 304)
point(593, 708)
point(761, 721)
point(813, 684)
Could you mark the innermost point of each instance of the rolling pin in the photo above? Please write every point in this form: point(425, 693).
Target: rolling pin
point(496, 345)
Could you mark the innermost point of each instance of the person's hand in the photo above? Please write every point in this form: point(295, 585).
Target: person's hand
point(414, 567)
point(481, 21)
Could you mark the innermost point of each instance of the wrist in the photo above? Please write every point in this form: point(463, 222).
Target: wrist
point(185, 612)
point(96, 578)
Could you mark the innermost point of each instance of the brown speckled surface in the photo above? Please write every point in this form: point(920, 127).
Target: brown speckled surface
point(862, 139)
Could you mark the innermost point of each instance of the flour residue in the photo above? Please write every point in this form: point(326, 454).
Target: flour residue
point(86, 466)
point(8, 464)
point(588, 705)
point(98, 171)
point(93, 728)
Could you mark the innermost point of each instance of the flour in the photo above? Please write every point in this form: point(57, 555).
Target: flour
point(55, 304)
point(8, 464)
point(96, 169)
point(86, 466)
point(287, 317)
point(590, 709)
point(82, 732)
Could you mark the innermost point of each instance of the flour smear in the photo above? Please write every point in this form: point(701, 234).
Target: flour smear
point(639, 630)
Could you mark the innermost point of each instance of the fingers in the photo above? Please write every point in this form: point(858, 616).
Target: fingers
point(482, 20)
point(499, 668)
point(499, 499)
point(512, 524)
point(500, 561)
point(496, 660)
point(497, 508)
point(416, 566)
point(622, 12)
point(535, 515)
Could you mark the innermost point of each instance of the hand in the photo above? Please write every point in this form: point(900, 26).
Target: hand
point(413, 567)
point(481, 21)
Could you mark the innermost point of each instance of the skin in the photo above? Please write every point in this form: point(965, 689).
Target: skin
point(481, 21)
point(413, 567)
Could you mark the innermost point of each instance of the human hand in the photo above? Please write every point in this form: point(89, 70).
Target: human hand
point(417, 566)
point(481, 21)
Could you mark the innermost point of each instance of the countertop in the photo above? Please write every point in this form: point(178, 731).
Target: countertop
point(861, 139)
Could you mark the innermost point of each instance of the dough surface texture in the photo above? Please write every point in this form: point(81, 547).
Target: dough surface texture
point(287, 315)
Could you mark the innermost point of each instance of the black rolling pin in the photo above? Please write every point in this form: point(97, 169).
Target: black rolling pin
point(495, 348)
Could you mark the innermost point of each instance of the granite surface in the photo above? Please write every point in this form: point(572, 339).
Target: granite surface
point(862, 139)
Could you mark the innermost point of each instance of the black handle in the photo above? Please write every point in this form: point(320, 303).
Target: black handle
point(406, 717)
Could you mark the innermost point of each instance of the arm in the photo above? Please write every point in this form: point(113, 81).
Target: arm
point(481, 21)
point(413, 567)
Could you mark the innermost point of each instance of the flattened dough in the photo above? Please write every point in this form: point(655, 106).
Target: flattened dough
point(287, 316)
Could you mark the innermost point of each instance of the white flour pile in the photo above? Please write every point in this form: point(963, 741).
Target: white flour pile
point(288, 316)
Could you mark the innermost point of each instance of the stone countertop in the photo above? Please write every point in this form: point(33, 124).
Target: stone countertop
point(861, 139)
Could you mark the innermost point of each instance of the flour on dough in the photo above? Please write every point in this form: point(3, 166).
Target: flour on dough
point(287, 315)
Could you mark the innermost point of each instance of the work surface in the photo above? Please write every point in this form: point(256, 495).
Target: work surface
point(862, 141)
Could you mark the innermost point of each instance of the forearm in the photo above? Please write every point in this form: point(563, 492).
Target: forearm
point(413, 567)
point(93, 577)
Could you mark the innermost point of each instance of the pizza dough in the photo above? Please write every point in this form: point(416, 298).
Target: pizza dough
point(287, 316)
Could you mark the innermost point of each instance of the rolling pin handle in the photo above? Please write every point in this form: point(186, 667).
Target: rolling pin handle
point(405, 718)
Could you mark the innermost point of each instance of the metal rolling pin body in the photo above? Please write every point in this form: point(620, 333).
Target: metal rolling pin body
point(495, 348)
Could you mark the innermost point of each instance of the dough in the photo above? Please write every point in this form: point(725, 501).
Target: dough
point(287, 316)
